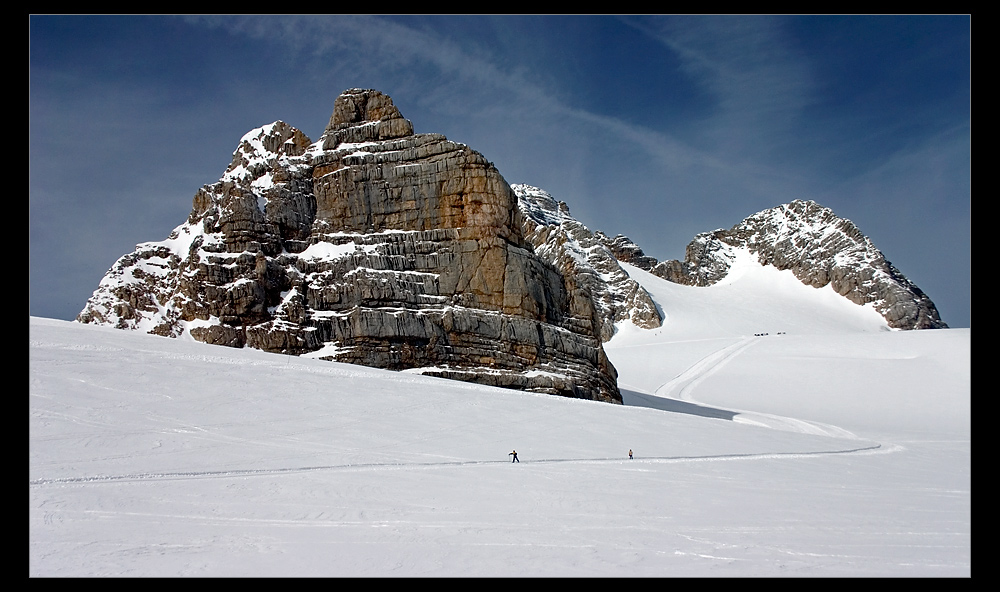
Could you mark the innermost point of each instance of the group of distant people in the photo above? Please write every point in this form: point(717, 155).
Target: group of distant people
point(763, 334)
point(513, 455)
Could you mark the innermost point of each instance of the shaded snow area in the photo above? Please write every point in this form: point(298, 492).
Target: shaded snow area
point(775, 432)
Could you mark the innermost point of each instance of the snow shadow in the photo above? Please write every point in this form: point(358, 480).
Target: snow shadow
point(636, 399)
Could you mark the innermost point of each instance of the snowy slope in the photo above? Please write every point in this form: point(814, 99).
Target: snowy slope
point(761, 340)
point(837, 448)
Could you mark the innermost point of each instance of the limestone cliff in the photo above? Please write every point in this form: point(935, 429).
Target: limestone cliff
point(372, 245)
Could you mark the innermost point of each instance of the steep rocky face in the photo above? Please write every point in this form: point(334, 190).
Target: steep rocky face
point(372, 245)
point(588, 258)
point(820, 249)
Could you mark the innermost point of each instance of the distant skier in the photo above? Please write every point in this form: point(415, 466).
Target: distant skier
point(630, 454)
point(513, 460)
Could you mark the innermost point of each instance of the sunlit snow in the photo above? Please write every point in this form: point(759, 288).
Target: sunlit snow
point(776, 431)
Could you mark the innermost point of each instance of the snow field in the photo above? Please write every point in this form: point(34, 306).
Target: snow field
point(835, 449)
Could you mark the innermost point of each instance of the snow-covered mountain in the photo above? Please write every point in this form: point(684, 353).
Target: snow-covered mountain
point(381, 247)
point(820, 249)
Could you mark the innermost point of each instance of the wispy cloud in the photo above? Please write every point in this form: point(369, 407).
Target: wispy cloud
point(694, 121)
point(758, 81)
point(465, 72)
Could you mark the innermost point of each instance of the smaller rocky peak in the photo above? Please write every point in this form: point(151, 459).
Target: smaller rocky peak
point(626, 251)
point(358, 105)
point(364, 115)
point(799, 218)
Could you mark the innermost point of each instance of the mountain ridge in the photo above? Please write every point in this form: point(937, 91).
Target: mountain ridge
point(377, 246)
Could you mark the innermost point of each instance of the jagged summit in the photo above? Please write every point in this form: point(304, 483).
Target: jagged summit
point(359, 105)
point(259, 148)
point(364, 115)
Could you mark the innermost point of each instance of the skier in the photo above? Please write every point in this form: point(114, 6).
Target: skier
point(630, 454)
point(514, 454)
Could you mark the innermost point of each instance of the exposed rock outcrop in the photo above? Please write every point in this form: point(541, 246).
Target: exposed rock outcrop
point(375, 246)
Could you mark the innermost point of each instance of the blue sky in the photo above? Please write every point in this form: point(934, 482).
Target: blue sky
point(656, 127)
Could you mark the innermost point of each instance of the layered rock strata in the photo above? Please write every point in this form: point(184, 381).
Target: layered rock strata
point(374, 246)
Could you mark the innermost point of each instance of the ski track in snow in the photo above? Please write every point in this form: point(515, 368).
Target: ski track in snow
point(683, 384)
point(686, 382)
point(182, 475)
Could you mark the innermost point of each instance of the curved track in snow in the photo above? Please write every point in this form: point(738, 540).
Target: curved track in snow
point(687, 381)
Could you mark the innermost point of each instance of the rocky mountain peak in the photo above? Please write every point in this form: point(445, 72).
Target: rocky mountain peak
point(821, 249)
point(374, 246)
point(359, 105)
point(259, 149)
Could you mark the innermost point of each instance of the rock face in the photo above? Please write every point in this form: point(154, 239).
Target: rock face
point(374, 246)
point(589, 260)
point(820, 249)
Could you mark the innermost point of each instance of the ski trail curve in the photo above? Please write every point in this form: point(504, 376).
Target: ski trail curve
point(681, 387)
point(687, 380)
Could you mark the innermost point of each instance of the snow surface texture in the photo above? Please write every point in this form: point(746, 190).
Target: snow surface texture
point(830, 446)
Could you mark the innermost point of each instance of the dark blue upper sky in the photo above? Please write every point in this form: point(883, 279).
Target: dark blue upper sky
point(653, 127)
